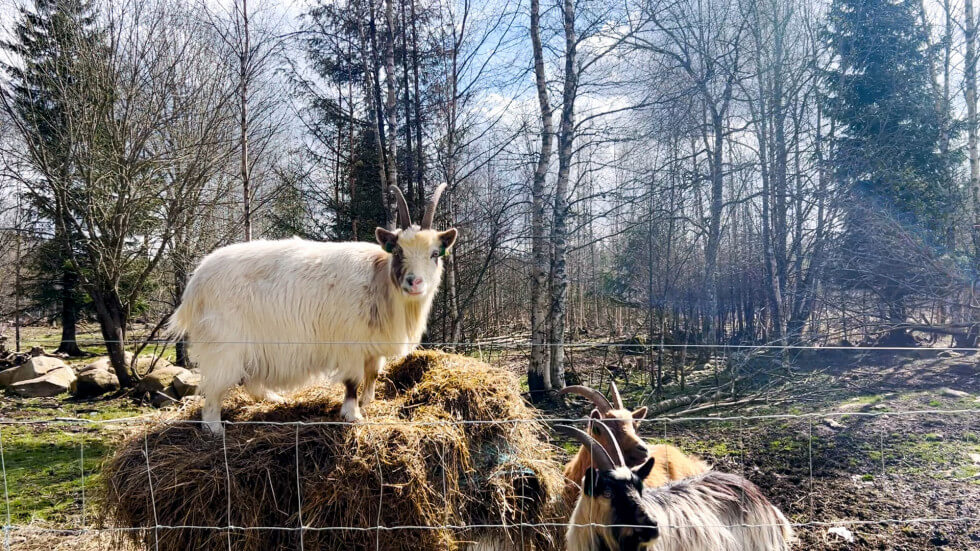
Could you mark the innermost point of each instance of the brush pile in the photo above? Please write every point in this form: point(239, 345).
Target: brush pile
point(409, 468)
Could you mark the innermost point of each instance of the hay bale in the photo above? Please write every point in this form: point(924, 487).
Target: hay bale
point(410, 465)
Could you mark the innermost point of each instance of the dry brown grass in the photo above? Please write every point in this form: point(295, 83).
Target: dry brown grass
point(410, 464)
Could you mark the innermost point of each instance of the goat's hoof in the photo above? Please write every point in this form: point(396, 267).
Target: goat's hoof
point(275, 398)
point(214, 429)
point(350, 412)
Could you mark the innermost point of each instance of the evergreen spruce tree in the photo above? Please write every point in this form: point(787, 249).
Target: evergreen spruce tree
point(887, 151)
point(336, 57)
point(45, 39)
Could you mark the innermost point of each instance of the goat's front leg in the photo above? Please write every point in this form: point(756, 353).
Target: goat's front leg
point(349, 411)
point(371, 368)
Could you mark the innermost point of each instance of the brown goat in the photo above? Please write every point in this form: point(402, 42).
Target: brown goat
point(671, 463)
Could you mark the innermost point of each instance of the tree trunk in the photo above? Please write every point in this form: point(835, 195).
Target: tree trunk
point(970, 90)
point(69, 314)
point(566, 140)
point(714, 232)
point(452, 141)
point(180, 283)
point(452, 287)
point(409, 178)
point(244, 62)
point(112, 320)
point(539, 372)
point(419, 160)
point(376, 113)
point(391, 110)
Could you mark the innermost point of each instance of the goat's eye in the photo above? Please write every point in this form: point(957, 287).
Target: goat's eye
point(435, 254)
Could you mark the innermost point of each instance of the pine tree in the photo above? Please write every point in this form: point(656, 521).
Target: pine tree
point(45, 39)
point(887, 152)
point(352, 156)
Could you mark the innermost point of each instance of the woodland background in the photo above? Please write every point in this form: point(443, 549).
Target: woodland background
point(655, 173)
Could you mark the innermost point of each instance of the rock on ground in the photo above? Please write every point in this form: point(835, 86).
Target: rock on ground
point(160, 378)
point(31, 369)
point(186, 383)
point(104, 364)
point(93, 382)
point(52, 383)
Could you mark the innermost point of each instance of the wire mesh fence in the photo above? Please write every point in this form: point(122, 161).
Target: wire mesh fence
point(897, 461)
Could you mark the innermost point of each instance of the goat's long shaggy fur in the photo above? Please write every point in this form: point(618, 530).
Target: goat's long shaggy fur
point(672, 464)
point(275, 315)
point(278, 311)
point(711, 512)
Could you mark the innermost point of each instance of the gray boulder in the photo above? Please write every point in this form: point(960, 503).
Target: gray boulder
point(104, 364)
point(145, 364)
point(160, 378)
point(52, 383)
point(8, 376)
point(186, 383)
point(31, 369)
point(94, 382)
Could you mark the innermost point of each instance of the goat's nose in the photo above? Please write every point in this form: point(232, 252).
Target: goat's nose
point(413, 280)
point(638, 454)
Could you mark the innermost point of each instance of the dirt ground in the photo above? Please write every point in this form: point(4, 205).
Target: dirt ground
point(882, 449)
point(884, 446)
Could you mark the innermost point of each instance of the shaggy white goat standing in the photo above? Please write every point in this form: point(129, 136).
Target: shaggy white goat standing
point(274, 315)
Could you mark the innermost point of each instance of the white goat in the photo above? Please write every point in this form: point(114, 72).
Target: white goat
point(274, 315)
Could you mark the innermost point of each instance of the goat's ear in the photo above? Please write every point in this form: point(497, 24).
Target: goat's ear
point(640, 413)
point(643, 471)
point(387, 239)
point(446, 240)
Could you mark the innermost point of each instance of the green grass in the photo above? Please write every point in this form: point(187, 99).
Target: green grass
point(868, 399)
point(45, 463)
point(89, 339)
point(716, 450)
point(45, 473)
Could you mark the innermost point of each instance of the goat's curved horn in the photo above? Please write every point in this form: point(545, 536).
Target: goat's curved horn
point(615, 443)
point(430, 209)
point(404, 220)
point(617, 399)
point(600, 457)
point(597, 398)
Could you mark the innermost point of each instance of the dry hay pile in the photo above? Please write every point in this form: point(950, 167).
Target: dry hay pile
point(407, 465)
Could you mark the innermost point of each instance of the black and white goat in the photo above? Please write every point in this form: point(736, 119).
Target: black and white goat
point(713, 511)
point(274, 315)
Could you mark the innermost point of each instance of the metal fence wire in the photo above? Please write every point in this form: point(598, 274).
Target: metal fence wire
point(739, 427)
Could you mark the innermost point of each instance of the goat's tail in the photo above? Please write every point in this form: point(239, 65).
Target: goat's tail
point(183, 318)
point(179, 323)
